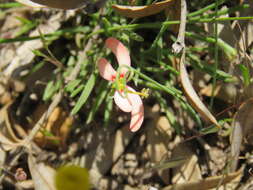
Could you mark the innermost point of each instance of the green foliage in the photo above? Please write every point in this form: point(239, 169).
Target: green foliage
point(245, 74)
point(148, 40)
point(51, 88)
point(85, 93)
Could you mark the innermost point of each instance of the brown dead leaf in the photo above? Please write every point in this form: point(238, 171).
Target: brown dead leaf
point(58, 124)
point(242, 127)
point(223, 91)
point(193, 97)
point(7, 144)
point(8, 138)
point(190, 170)
point(9, 88)
point(42, 175)
point(142, 11)
point(208, 183)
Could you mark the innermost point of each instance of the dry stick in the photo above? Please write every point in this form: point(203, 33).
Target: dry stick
point(56, 100)
point(179, 45)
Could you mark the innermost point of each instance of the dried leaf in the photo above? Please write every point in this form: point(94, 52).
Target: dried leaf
point(208, 183)
point(42, 175)
point(8, 140)
point(141, 11)
point(6, 143)
point(193, 97)
point(242, 127)
point(55, 130)
point(189, 170)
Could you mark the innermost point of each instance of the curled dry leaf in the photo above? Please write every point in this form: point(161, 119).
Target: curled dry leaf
point(142, 11)
point(193, 97)
point(42, 175)
point(8, 139)
point(242, 127)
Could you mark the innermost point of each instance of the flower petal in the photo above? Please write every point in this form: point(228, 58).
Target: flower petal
point(122, 102)
point(106, 70)
point(137, 114)
point(120, 51)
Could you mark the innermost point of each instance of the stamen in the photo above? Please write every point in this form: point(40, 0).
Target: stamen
point(144, 93)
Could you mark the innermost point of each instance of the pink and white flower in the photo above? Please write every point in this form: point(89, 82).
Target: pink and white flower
point(126, 98)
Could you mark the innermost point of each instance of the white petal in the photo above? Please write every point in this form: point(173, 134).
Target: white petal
point(122, 102)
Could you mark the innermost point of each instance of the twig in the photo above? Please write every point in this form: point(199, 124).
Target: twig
point(180, 44)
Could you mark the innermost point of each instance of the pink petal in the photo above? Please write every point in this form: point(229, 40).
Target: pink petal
point(122, 102)
point(120, 51)
point(137, 114)
point(106, 70)
point(131, 103)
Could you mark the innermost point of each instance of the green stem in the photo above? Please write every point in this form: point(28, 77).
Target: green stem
point(203, 10)
point(155, 25)
point(215, 57)
point(10, 5)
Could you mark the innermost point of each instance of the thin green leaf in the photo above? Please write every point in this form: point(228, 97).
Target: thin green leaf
point(99, 99)
point(85, 94)
point(208, 130)
point(70, 87)
point(77, 91)
point(134, 36)
point(51, 88)
point(10, 5)
point(172, 163)
point(245, 74)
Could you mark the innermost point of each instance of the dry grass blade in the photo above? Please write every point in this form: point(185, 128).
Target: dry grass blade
point(142, 11)
point(242, 125)
point(42, 175)
point(193, 97)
